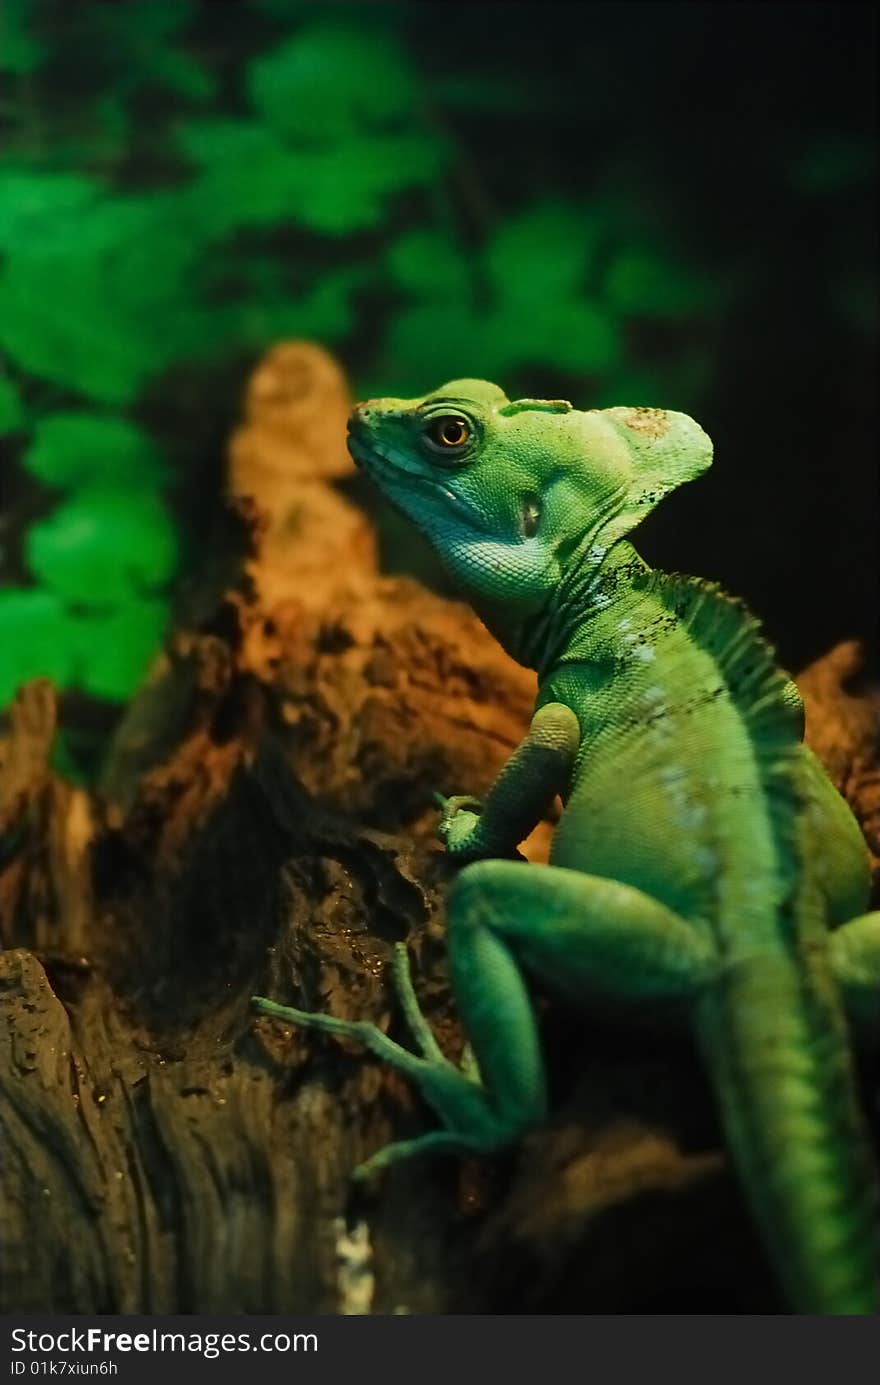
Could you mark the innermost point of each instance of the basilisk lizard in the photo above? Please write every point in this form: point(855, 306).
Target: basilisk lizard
point(703, 861)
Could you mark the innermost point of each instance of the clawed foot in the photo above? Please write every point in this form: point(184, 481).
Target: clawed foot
point(458, 830)
point(459, 816)
point(457, 1096)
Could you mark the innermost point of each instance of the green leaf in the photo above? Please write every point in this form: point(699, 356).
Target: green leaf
point(12, 415)
point(578, 337)
point(114, 650)
point(33, 204)
point(346, 189)
point(139, 34)
point(104, 299)
point(34, 640)
point(108, 129)
point(104, 546)
point(78, 221)
point(436, 341)
point(641, 283)
point(70, 449)
point(185, 75)
point(221, 141)
point(326, 313)
point(142, 25)
point(429, 264)
point(19, 52)
point(542, 254)
point(333, 80)
point(249, 178)
point(539, 315)
point(58, 321)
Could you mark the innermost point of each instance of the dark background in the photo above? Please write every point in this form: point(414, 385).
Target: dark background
point(706, 110)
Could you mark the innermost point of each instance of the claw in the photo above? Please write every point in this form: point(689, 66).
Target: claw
point(437, 1140)
point(439, 800)
point(418, 1025)
point(367, 1034)
point(365, 1172)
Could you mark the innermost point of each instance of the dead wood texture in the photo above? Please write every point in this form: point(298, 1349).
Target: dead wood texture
point(265, 824)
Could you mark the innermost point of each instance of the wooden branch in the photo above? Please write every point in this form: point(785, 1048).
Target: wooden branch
point(265, 824)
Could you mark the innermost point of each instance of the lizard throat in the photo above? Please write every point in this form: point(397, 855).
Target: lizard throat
point(563, 630)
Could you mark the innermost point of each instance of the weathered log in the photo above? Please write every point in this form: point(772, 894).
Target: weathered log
point(265, 824)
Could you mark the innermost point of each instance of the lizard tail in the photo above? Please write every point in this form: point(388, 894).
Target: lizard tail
point(774, 1040)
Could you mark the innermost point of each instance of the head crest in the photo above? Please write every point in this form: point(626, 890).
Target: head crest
point(542, 406)
point(644, 454)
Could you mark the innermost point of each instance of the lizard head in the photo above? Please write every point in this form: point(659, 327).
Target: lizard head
point(510, 491)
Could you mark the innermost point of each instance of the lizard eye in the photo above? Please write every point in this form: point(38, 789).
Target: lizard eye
point(448, 433)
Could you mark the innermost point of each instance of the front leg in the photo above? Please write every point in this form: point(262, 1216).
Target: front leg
point(536, 772)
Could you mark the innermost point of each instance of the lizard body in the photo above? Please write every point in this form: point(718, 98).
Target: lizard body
point(702, 862)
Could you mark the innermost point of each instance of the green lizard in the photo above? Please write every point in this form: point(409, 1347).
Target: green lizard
point(703, 862)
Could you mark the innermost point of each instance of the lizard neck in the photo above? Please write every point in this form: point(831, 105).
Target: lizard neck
point(569, 626)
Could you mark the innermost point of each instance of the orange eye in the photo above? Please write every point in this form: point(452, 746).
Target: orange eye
point(449, 431)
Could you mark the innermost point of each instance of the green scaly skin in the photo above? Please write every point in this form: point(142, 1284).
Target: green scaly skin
point(703, 863)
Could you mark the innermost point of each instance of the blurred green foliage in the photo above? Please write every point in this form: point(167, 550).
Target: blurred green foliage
point(177, 192)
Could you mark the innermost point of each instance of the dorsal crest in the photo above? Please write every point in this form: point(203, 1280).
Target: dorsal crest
point(725, 628)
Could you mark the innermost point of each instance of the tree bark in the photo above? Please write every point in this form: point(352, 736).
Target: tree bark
point(265, 824)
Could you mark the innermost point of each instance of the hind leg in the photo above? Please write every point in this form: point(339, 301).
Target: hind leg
point(585, 935)
point(836, 841)
point(855, 957)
